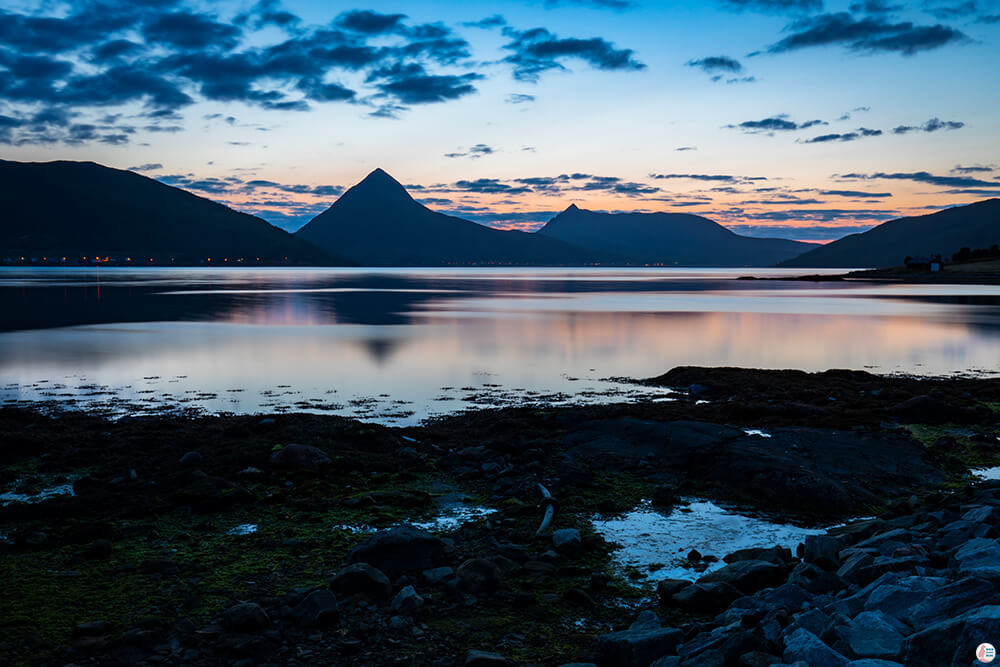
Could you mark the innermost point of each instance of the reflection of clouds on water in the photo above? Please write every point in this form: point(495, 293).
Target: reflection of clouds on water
point(509, 336)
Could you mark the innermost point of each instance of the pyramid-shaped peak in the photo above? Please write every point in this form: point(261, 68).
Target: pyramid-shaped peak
point(571, 208)
point(379, 188)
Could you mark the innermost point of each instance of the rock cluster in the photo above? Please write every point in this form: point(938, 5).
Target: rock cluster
point(916, 587)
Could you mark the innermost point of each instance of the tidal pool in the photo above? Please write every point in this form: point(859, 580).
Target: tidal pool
point(657, 542)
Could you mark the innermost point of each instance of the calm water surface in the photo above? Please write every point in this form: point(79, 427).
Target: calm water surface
point(398, 345)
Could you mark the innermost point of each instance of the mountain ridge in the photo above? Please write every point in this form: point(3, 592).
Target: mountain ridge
point(84, 209)
point(943, 232)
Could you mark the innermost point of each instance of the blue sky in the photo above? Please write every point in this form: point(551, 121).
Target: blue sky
point(793, 118)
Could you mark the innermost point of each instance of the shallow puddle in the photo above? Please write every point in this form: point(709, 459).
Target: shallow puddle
point(657, 543)
point(37, 496)
point(243, 529)
point(986, 473)
point(452, 517)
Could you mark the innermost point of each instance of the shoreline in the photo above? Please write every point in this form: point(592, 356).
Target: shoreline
point(145, 547)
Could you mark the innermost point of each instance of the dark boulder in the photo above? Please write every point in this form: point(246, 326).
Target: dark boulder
point(362, 579)
point(399, 550)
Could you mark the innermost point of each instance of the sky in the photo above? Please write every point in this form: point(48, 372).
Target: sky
point(804, 119)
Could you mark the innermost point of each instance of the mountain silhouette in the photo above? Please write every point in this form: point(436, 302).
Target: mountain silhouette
point(943, 233)
point(378, 223)
point(677, 239)
point(83, 209)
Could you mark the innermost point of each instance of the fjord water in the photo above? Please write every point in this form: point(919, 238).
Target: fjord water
point(398, 345)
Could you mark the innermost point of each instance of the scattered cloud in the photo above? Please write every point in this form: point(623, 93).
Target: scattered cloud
point(866, 34)
point(954, 11)
point(152, 166)
point(720, 178)
point(855, 194)
point(477, 151)
point(874, 7)
point(600, 4)
point(775, 6)
point(713, 64)
point(972, 169)
point(519, 98)
point(779, 123)
point(923, 177)
point(860, 133)
point(495, 21)
point(686, 148)
point(933, 125)
point(537, 50)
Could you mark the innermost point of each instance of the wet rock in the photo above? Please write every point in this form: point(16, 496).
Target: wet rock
point(300, 456)
point(92, 629)
point(802, 645)
point(857, 569)
point(191, 460)
point(758, 659)
point(567, 540)
point(749, 576)
point(478, 575)
point(484, 659)
point(815, 580)
point(318, 608)
point(897, 599)
point(668, 587)
point(872, 634)
point(399, 550)
point(706, 598)
point(952, 642)
point(950, 601)
point(979, 557)
point(246, 617)
point(437, 575)
point(362, 579)
point(822, 551)
point(407, 602)
point(777, 554)
point(664, 497)
point(640, 645)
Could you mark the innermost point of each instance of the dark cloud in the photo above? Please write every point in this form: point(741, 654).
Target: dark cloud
point(956, 11)
point(726, 178)
point(713, 64)
point(538, 50)
point(495, 21)
point(933, 125)
point(924, 177)
point(152, 166)
point(601, 4)
point(187, 30)
point(490, 186)
point(411, 84)
point(775, 6)
point(847, 136)
point(973, 169)
point(369, 22)
point(855, 194)
point(89, 59)
point(774, 124)
point(825, 214)
point(686, 148)
point(874, 7)
point(477, 151)
point(268, 12)
point(114, 49)
point(870, 33)
point(989, 19)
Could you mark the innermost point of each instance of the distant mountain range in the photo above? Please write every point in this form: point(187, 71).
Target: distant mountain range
point(82, 209)
point(675, 239)
point(943, 233)
point(378, 223)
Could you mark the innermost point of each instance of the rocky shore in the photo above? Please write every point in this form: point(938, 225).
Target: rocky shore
point(300, 539)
